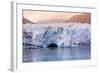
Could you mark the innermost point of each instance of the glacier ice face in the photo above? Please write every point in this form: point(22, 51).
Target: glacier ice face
point(71, 34)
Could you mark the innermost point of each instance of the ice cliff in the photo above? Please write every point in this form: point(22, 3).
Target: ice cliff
point(62, 34)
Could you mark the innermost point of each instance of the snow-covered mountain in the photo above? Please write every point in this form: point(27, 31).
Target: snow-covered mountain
point(62, 34)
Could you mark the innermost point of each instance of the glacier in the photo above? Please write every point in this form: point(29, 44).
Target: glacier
point(61, 34)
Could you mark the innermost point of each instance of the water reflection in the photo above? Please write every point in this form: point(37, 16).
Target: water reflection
point(56, 54)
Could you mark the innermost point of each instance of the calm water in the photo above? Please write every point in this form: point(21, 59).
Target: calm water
point(58, 54)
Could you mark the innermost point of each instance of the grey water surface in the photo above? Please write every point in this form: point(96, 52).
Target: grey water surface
point(56, 54)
